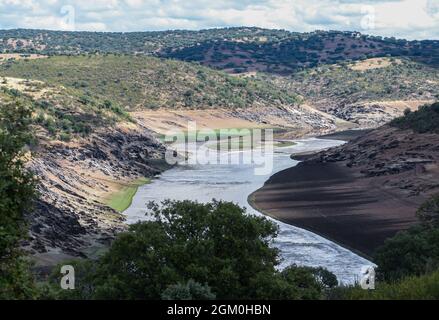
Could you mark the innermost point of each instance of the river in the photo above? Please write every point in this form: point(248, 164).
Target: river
point(235, 182)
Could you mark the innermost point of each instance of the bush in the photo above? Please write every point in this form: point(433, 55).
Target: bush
point(411, 288)
point(424, 120)
point(66, 137)
point(413, 252)
point(428, 213)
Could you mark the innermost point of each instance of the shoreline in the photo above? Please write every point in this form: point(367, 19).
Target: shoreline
point(343, 135)
point(251, 201)
point(335, 202)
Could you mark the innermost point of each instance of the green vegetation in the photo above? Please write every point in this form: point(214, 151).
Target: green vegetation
point(401, 80)
point(64, 113)
point(200, 135)
point(273, 51)
point(144, 82)
point(240, 143)
point(424, 287)
point(424, 120)
point(16, 194)
point(413, 252)
point(122, 199)
point(192, 250)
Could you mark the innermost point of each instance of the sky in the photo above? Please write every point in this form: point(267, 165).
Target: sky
point(409, 19)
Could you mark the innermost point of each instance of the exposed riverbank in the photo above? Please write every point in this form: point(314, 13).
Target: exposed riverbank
point(234, 182)
point(358, 194)
point(121, 199)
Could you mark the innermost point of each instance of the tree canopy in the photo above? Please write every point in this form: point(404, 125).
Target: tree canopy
point(191, 250)
point(16, 193)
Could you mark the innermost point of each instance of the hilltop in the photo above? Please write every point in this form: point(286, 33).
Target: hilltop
point(369, 92)
point(235, 50)
point(144, 84)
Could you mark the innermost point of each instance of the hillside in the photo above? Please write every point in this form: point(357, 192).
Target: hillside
point(365, 191)
point(369, 92)
point(95, 115)
point(235, 50)
point(140, 83)
point(82, 154)
point(146, 82)
point(424, 120)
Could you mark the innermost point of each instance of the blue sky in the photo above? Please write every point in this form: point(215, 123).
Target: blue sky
point(411, 19)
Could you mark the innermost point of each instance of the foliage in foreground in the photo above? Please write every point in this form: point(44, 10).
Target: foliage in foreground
point(16, 192)
point(414, 252)
point(197, 251)
point(424, 287)
point(140, 82)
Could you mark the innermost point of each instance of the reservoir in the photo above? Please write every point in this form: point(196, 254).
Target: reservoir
point(235, 182)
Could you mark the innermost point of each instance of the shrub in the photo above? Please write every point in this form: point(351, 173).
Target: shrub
point(424, 120)
point(428, 213)
point(412, 252)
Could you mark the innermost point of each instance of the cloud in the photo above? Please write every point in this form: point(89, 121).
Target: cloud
point(411, 19)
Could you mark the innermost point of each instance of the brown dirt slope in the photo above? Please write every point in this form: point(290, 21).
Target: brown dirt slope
point(360, 193)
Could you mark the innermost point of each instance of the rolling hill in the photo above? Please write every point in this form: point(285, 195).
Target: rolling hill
point(369, 92)
point(235, 50)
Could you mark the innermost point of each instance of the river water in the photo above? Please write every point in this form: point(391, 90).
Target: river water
point(235, 182)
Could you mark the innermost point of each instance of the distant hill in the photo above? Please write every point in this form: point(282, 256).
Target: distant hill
point(235, 50)
point(148, 82)
point(369, 92)
point(61, 113)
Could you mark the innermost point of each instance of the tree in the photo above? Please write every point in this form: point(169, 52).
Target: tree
point(410, 253)
point(428, 213)
point(188, 291)
point(16, 193)
point(191, 251)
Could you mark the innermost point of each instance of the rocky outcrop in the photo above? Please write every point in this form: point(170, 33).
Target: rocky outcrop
point(298, 120)
point(70, 217)
point(401, 159)
point(372, 114)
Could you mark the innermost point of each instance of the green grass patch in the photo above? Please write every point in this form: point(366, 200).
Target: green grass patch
point(237, 143)
point(122, 199)
point(220, 134)
point(284, 144)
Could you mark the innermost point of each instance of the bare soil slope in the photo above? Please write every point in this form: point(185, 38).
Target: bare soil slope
point(358, 194)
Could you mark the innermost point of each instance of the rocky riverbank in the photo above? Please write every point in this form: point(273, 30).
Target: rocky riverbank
point(70, 218)
point(358, 194)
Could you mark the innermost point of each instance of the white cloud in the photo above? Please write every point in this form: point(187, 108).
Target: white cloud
point(402, 18)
